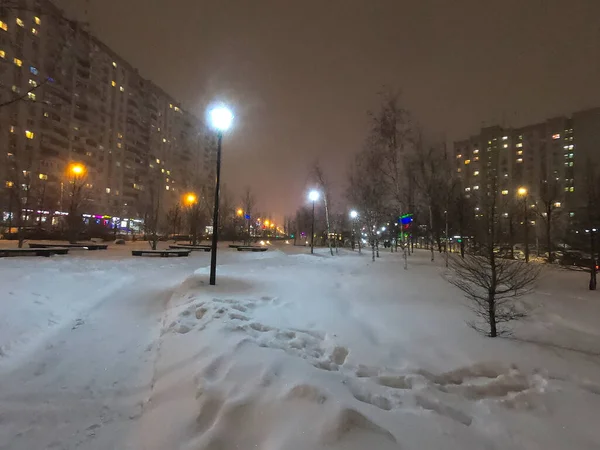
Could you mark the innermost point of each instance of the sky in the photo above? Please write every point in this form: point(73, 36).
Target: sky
point(302, 74)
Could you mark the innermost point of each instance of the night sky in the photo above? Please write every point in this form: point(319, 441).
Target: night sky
point(301, 74)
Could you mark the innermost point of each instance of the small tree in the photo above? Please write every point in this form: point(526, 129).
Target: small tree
point(152, 215)
point(492, 284)
point(175, 219)
point(325, 188)
point(551, 192)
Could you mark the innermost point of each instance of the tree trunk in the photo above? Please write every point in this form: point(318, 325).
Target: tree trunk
point(549, 234)
point(592, 285)
point(492, 314)
point(373, 249)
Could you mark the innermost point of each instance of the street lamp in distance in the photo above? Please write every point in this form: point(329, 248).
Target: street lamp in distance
point(354, 216)
point(220, 118)
point(190, 199)
point(313, 196)
point(522, 192)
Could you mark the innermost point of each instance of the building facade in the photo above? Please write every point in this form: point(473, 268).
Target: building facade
point(559, 150)
point(81, 103)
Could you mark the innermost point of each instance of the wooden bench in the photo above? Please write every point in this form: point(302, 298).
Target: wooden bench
point(91, 246)
point(235, 245)
point(205, 248)
point(49, 251)
point(162, 253)
point(245, 248)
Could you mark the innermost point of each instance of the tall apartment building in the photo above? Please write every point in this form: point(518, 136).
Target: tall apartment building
point(90, 107)
point(559, 149)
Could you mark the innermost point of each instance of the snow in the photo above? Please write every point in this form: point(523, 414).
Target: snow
point(288, 351)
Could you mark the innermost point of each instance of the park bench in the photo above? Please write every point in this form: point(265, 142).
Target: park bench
point(91, 246)
point(250, 248)
point(205, 248)
point(162, 253)
point(49, 251)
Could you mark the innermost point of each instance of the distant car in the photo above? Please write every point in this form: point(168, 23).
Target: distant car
point(577, 259)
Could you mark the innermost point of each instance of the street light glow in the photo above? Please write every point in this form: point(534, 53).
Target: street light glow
point(240, 211)
point(353, 214)
point(221, 118)
point(77, 169)
point(190, 198)
point(313, 196)
point(522, 191)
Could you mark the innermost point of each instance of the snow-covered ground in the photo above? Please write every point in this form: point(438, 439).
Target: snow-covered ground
point(289, 351)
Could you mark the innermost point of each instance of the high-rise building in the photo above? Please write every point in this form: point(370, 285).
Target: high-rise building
point(82, 103)
point(558, 150)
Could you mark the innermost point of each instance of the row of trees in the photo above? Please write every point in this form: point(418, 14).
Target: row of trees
point(398, 172)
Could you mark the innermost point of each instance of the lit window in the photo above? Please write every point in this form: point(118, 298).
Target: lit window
point(505, 192)
point(171, 105)
point(108, 190)
point(34, 31)
point(476, 158)
point(37, 20)
point(504, 138)
point(31, 96)
point(475, 151)
point(475, 187)
point(571, 214)
point(520, 144)
point(29, 134)
point(571, 164)
point(557, 204)
point(120, 135)
point(114, 64)
point(33, 70)
point(476, 173)
point(556, 136)
point(4, 26)
point(566, 189)
point(20, 22)
point(33, 83)
point(119, 145)
point(571, 147)
point(570, 155)
point(168, 172)
point(43, 176)
point(12, 128)
point(520, 152)
point(467, 189)
point(113, 83)
point(157, 161)
point(18, 62)
point(571, 189)
point(467, 161)
point(519, 160)
point(167, 188)
point(505, 146)
point(164, 140)
point(177, 109)
point(122, 89)
point(2, 54)
point(9, 184)
point(459, 170)
point(162, 170)
point(459, 156)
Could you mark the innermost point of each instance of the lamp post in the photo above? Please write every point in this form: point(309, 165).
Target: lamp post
point(190, 200)
point(313, 196)
point(220, 119)
point(522, 192)
point(77, 171)
point(354, 216)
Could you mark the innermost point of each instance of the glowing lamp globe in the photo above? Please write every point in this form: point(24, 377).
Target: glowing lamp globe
point(313, 196)
point(221, 118)
point(353, 214)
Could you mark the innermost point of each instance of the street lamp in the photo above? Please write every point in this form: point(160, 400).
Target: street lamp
point(354, 216)
point(220, 119)
point(190, 200)
point(522, 192)
point(240, 212)
point(313, 196)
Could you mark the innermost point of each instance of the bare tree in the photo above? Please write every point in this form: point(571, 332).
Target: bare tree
point(326, 191)
point(248, 204)
point(76, 202)
point(175, 219)
point(152, 215)
point(492, 284)
point(367, 192)
point(592, 215)
point(551, 192)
